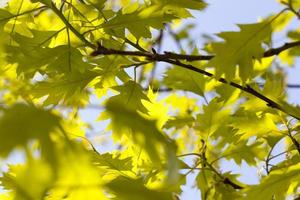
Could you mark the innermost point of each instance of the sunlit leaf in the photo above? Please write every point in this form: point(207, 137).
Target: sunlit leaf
point(275, 185)
point(179, 78)
point(239, 49)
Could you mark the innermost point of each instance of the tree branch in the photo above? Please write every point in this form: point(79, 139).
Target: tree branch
point(172, 59)
point(293, 86)
point(246, 88)
point(276, 51)
point(225, 180)
point(101, 50)
point(289, 86)
point(170, 55)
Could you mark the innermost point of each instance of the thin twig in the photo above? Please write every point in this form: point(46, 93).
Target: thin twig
point(280, 154)
point(295, 142)
point(69, 26)
point(189, 154)
point(23, 13)
point(268, 160)
point(225, 180)
point(291, 8)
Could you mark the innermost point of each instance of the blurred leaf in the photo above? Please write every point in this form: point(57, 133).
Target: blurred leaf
point(113, 162)
point(4, 17)
point(145, 134)
point(143, 131)
point(29, 181)
point(179, 122)
point(191, 4)
point(21, 123)
point(275, 185)
point(134, 189)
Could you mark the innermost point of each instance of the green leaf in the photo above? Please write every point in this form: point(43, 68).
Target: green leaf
point(46, 2)
point(5, 16)
point(180, 122)
point(274, 87)
point(204, 183)
point(21, 123)
point(294, 3)
point(242, 151)
point(183, 79)
point(38, 38)
point(47, 61)
point(144, 132)
point(69, 89)
point(109, 69)
point(131, 96)
point(139, 22)
point(77, 177)
point(250, 124)
point(191, 4)
point(275, 185)
point(291, 109)
point(112, 162)
point(212, 187)
point(62, 58)
point(28, 181)
point(98, 3)
point(134, 189)
point(239, 49)
point(214, 118)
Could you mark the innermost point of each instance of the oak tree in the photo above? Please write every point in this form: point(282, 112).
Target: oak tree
point(161, 106)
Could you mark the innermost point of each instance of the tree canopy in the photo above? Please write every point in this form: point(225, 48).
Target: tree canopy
point(169, 112)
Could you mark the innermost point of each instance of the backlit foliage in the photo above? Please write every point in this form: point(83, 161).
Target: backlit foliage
point(158, 105)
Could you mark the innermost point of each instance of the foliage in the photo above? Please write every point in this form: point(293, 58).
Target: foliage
point(225, 102)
